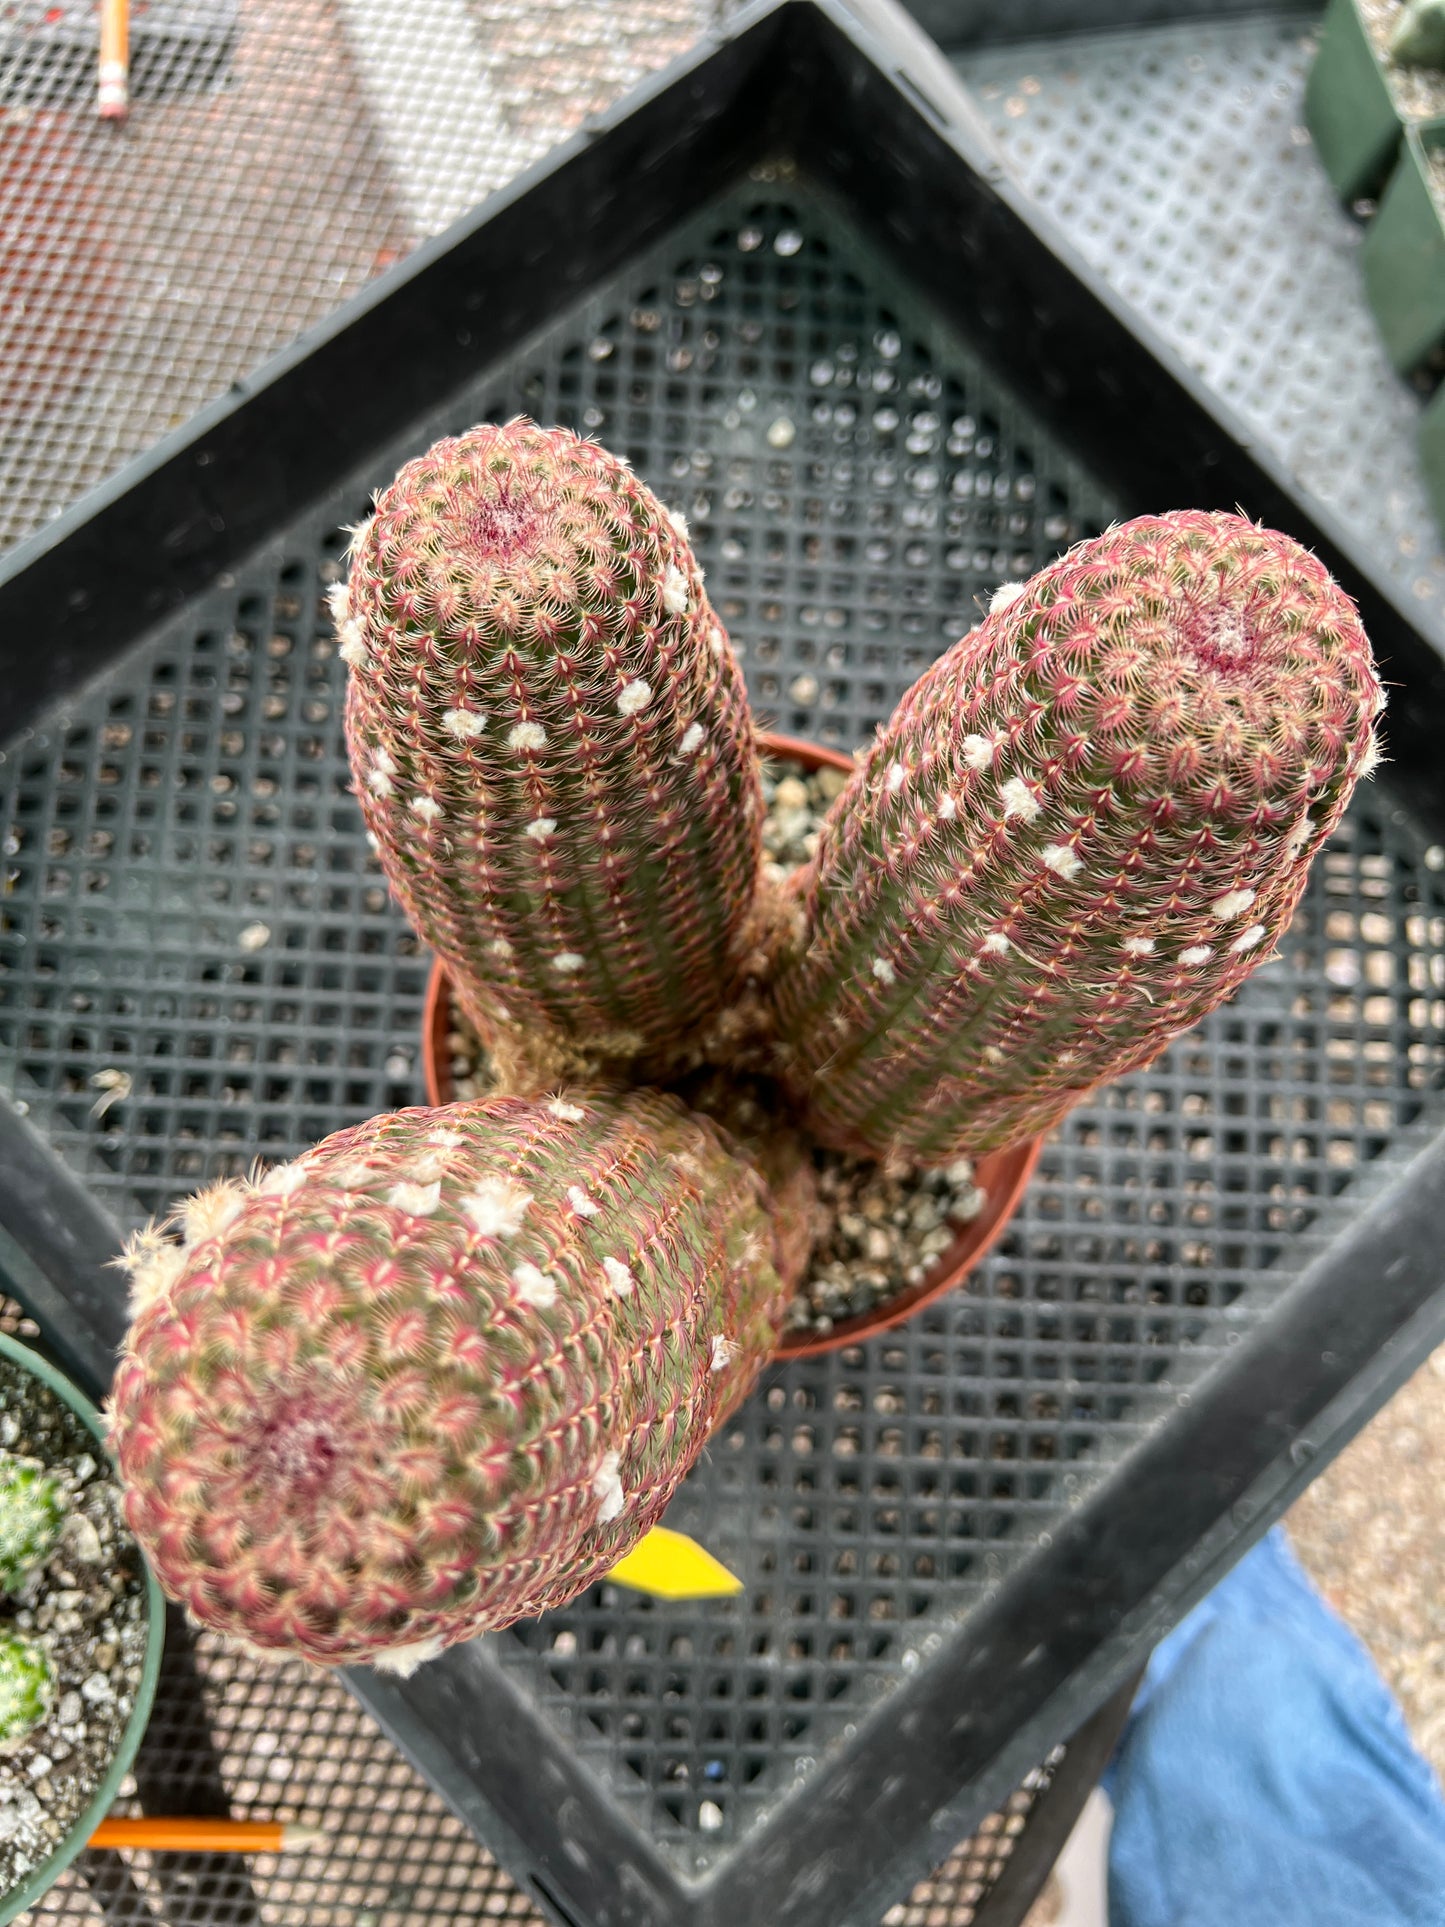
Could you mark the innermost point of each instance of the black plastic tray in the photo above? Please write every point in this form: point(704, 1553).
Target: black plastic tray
point(958, 24)
point(957, 1541)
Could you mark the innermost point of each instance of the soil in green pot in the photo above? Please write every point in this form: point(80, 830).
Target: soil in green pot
point(87, 1606)
point(879, 1231)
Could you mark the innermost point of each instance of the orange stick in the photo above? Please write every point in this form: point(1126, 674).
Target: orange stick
point(113, 100)
point(206, 1836)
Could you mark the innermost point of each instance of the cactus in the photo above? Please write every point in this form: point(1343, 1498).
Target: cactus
point(32, 1512)
point(27, 1688)
point(1417, 38)
point(442, 1371)
point(1081, 829)
point(551, 744)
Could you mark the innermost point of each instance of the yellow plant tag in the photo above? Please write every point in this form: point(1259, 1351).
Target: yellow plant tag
point(669, 1565)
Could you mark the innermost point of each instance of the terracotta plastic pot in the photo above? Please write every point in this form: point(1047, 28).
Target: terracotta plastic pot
point(1001, 1175)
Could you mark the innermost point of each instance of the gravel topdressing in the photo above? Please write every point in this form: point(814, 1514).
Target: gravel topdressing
point(87, 1606)
point(881, 1232)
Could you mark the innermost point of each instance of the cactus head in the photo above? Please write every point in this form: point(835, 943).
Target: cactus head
point(32, 1513)
point(27, 1688)
point(551, 743)
point(442, 1371)
point(1079, 832)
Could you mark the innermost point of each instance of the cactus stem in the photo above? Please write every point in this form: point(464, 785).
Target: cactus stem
point(1155, 730)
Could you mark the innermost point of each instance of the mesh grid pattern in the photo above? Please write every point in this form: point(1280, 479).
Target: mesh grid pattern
point(198, 962)
point(296, 1747)
point(1177, 160)
point(395, 1856)
point(279, 153)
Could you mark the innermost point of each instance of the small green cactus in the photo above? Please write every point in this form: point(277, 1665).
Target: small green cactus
point(1418, 36)
point(32, 1512)
point(27, 1688)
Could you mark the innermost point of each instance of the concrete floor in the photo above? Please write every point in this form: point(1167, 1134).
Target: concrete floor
point(1371, 1532)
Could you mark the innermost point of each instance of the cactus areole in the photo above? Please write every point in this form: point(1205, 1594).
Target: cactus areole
point(439, 1373)
point(1080, 831)
point(551, 739)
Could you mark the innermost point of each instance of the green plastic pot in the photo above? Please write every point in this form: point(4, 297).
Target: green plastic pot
point(1349, 108)
point(1403, 256)
point(49, 1871)
point(1432, 452)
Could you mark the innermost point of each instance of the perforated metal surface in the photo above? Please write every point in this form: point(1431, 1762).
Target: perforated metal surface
point(1177, 160)
point(191, 907)
point(279, 153)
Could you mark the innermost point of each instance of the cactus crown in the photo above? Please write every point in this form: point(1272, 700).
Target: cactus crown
point(27, 1688)
point(551, 741)
point(32, 1512)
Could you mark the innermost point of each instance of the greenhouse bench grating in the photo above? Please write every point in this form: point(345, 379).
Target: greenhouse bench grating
point(790, 282)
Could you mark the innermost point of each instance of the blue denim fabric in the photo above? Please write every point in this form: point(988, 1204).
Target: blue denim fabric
point(1266, 1778)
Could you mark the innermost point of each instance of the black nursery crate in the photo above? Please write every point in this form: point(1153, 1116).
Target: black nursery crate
point(789, 280)
point(959, 24)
